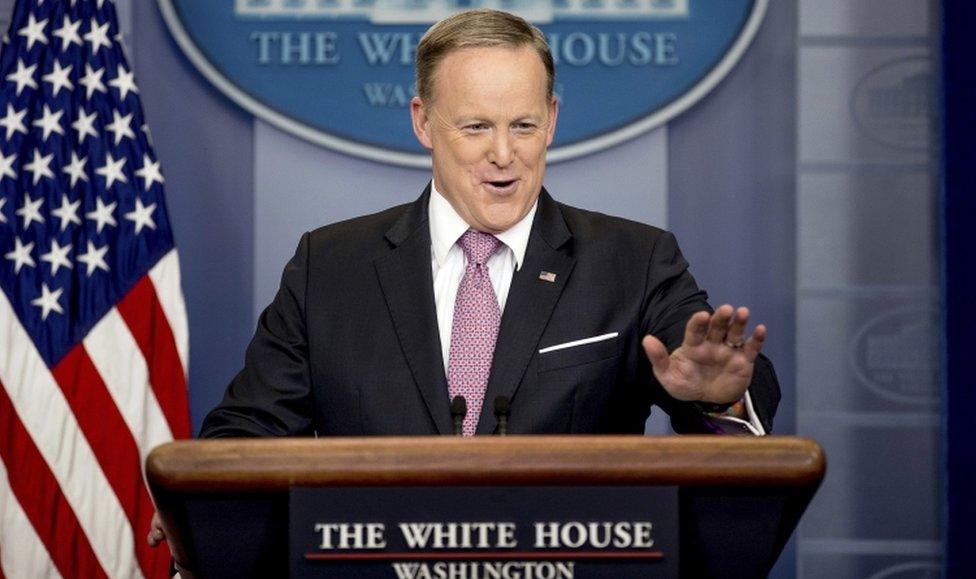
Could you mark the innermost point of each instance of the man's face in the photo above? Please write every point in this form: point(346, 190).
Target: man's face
point(488, 128)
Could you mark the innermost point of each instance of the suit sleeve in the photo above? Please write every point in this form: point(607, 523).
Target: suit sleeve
point(271, 396)
point(671, 298)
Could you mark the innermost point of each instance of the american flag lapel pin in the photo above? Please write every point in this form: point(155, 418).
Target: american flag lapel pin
point(547, 276)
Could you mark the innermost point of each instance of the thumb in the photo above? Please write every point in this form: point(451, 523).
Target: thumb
point(657, 354)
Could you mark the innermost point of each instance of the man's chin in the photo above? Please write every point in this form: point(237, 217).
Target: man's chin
point(500, 221)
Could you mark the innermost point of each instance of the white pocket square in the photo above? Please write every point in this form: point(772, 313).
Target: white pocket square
point(575, 343)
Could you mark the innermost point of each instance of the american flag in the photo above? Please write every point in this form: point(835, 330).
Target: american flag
point(93, 332)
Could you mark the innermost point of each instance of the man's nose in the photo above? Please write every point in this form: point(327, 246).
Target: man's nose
point(501, 153)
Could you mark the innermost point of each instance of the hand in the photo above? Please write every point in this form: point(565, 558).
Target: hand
point(714, 363)
point(156, 533)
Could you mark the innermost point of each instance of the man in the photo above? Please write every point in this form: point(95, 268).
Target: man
point(361, 336)
point(485, 287)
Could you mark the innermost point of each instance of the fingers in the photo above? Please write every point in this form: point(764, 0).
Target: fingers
point(696, 329)
point(156, 534)
point(726, 326)
point(719, 324)
point(755, 343)
point(657, 354)
point(737, 331)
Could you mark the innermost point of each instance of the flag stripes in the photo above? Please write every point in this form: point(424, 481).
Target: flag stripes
point(35, 489)
point(146, 321)
point(114, 447)
point(117, 358)
point(37, 399)
point(165, 276)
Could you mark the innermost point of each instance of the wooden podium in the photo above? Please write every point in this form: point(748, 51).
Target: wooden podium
point(224, 503)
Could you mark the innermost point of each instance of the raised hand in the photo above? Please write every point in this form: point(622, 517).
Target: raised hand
point(715, 361)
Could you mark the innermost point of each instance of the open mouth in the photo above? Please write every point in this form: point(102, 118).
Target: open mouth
point(502, 186)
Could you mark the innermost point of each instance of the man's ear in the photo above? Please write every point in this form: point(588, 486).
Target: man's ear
point(553, 115)
point(420, 122)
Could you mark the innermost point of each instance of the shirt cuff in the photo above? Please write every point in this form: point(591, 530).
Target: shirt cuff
point(739, 419)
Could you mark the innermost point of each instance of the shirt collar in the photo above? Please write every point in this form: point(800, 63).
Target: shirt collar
point(446, 227)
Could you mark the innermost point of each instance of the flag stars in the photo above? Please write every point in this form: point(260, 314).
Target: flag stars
point(57, 257)
point(24, 76)
point(58, 77)
point(98, 36)
point(34, 31)
point(48, 302)
point(3, 201)
point(94, 259)
point(50, 122)
point(141, 216)
point(112, 170)
point(31, 210)
point(40, 166)
point(13, 121)
point(85, 125)
point(121, 126)
point(67, 212)
point(102, 215)
point(7, 168)
point(125, 82)
point(92, 81)
point(68, 33)
point(21, 255)
point(76, 168)
point(150, 172)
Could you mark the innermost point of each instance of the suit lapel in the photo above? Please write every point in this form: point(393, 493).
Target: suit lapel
point(530, 304)
point(407, 283)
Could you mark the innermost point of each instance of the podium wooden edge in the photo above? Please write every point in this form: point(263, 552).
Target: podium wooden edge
point(238, 465)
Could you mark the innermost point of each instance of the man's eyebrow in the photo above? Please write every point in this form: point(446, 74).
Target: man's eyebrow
point(467, 120)
point(445, 120)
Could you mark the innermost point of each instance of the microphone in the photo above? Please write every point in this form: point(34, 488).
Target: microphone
point(502, 410)
point(459, 409)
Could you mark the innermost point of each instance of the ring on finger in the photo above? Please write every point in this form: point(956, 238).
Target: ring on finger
point(734, 345)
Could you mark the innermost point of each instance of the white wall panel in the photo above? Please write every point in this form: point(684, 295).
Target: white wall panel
point(875, 493)
point(867, 286)
point(867, 351)
point(849, 233)
point(866, 105)
point(865, 18)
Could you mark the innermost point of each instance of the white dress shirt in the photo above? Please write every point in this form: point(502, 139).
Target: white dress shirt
point(448, 262)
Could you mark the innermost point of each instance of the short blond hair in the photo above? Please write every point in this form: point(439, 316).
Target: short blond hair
point(475, 29)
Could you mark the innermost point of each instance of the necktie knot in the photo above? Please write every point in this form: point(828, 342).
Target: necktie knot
point(478, 246)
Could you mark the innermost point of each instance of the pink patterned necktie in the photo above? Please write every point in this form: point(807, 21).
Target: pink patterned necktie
point(475, 327)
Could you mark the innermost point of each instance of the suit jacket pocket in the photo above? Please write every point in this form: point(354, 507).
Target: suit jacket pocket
point(577, 355)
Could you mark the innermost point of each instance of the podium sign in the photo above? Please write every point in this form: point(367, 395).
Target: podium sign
point(482, 532)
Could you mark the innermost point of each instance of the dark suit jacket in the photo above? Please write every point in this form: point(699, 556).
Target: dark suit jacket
point(350, 344)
